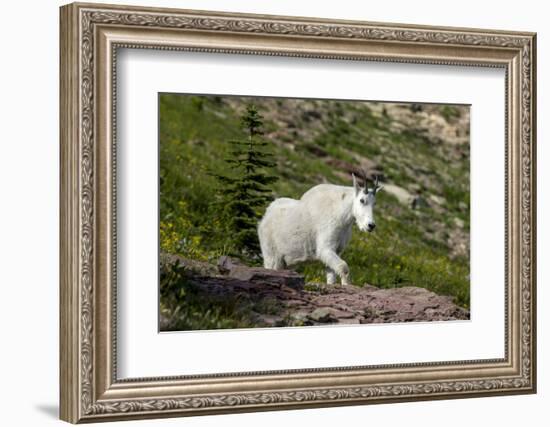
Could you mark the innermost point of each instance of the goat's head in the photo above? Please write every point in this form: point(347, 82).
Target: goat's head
point(364, 201)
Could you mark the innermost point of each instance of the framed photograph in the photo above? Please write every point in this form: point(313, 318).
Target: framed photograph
point(267, 212)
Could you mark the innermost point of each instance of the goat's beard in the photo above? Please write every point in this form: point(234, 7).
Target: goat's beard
point(363, 228)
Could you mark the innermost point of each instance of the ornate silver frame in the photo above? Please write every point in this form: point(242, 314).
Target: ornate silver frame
point(90, 36)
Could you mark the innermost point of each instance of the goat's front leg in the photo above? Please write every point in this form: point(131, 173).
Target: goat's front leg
point(331, 276)
point(331, 259)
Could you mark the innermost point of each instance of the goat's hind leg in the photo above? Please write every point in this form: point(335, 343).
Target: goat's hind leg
point(279, 264)
point(274, 263)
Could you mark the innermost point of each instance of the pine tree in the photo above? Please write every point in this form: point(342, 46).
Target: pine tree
point(245, 193)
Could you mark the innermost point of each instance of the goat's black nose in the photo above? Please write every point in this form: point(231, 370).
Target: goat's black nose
point(371, 226)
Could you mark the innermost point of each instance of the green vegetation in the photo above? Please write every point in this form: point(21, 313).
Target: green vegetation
point(410, 247)
point(182, 302)
point(243, 193)
point(450, 112)
point(188, 309)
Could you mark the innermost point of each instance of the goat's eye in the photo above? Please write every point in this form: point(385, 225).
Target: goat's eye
point(362, 201)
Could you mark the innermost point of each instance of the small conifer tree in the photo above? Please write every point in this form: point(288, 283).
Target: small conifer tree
point(245, 192)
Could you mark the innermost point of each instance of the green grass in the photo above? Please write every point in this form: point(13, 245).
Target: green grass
point(187, 310)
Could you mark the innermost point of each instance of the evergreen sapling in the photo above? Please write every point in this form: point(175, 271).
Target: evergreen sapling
point(245, 192)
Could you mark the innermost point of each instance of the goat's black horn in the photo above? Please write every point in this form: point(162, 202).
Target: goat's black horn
point(364, 173)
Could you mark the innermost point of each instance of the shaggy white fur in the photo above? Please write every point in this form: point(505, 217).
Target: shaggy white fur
point(316, 227)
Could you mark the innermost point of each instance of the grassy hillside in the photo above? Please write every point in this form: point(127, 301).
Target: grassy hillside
point(421, 152)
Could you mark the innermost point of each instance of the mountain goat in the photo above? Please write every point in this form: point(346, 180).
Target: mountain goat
point(317, 227)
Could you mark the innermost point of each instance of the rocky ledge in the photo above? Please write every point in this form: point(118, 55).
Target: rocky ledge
point(282, 298)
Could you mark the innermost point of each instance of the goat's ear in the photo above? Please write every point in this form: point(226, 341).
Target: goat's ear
point(378, 188)
point(355, 184)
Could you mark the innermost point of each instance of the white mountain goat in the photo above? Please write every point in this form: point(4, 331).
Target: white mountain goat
point(317, 227)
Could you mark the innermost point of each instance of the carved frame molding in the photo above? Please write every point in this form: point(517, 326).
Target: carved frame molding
point(90, 36)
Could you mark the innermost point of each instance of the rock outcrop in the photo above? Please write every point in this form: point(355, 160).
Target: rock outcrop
point(277, 278)
point(281, 298)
